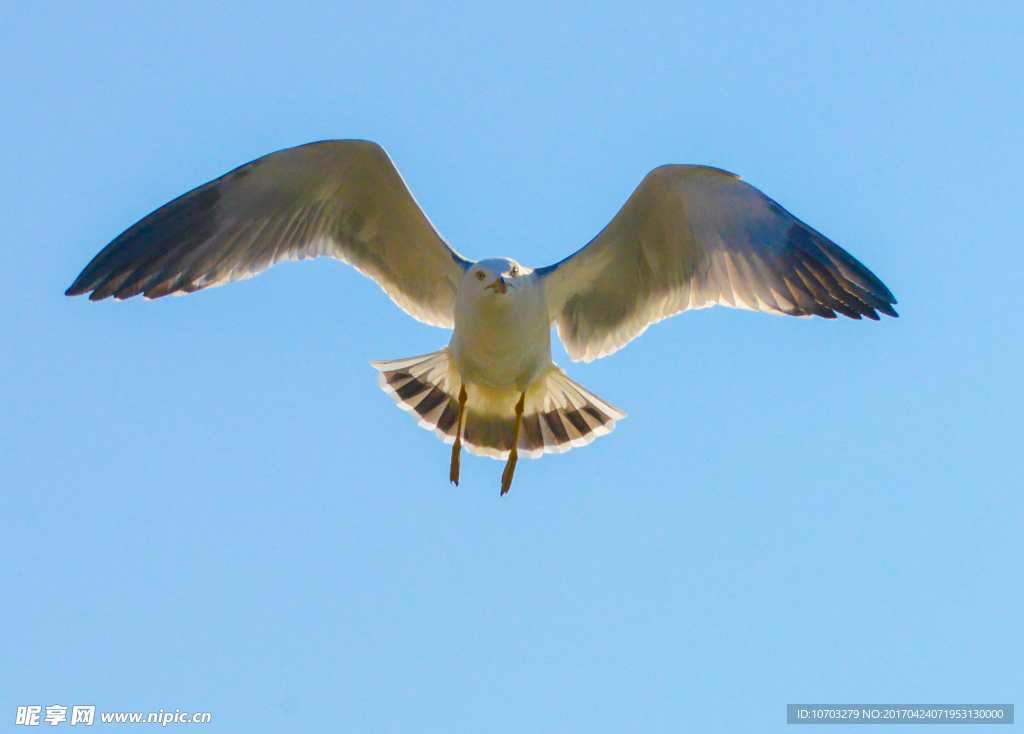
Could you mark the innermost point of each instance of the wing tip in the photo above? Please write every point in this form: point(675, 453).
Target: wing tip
point(82, 284)
point(865, 312)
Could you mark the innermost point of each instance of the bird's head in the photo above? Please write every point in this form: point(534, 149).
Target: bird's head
point(497, 280)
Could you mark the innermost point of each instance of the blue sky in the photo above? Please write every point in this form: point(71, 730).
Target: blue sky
point(208, 504)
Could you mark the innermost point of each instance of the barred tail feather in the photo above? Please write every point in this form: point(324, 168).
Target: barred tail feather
point(559, 414)
point(421, 386)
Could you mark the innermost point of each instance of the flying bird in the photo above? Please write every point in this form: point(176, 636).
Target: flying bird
point(687, 238)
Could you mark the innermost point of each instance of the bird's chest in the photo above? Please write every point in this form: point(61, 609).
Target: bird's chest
point(502, 347)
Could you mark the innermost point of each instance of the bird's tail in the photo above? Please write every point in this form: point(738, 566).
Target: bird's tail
point(558, 415)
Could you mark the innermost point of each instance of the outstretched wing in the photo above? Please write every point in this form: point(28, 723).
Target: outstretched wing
point(690, 237)
point(340, 198)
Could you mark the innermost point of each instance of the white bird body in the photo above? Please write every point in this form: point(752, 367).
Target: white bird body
point(501, 340)
point(688, 237)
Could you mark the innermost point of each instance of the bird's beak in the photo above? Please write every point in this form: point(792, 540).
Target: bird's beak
point(499, 286)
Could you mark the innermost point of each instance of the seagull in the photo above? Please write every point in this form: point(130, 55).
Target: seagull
point(688, 237)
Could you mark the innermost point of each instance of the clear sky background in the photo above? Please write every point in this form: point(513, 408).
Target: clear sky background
point(208, 504)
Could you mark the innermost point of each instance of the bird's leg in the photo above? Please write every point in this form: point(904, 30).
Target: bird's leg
point(453, 475)
point(513, 457)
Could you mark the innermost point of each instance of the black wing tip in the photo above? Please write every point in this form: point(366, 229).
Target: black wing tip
point(867, 312)
point(98, 292)
point(869, 293)
point(881, 303)
point(82, 284)
point(864, 312)
point(80, 288)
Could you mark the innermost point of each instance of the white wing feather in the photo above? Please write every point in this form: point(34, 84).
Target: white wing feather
point(340, 198)
point(691, 237)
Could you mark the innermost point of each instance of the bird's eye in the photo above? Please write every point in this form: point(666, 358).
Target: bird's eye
point(479, 274)
point(515, 272)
